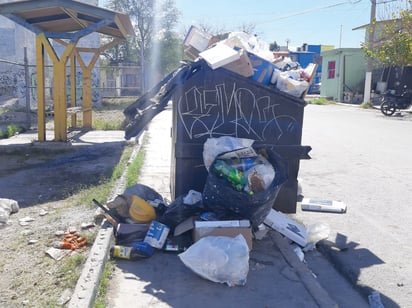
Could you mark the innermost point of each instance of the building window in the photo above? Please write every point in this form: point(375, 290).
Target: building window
point(331, 69)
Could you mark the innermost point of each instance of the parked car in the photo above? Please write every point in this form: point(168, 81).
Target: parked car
point(315, 88)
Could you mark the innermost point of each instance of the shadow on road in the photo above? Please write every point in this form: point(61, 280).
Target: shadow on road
point(350, 260)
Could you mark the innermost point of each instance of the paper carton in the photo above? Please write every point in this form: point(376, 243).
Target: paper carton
point(229, 228)
point(333, 206)
point(242, 66)
point(157, 234)
point(286, 226)
point(196, 41)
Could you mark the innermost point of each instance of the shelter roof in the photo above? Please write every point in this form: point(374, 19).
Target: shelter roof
point(58, 17)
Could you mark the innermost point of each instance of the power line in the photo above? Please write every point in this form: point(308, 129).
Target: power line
point(312, 10)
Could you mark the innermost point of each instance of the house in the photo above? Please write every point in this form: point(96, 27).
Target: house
point(343, 74)
point(310, 54)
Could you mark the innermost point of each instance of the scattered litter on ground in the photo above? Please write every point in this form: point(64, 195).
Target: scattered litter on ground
point(43, 212)
point(87, 225)
point(7, 207)
point(332, 206)
point(375, 300)
point(56, 253)
point(25, 221)
point(315, 233)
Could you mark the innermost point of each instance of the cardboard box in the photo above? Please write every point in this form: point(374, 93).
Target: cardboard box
point(242, 66)
point(262, 68)
point(230, 228)
point(196, 41)
point(219, 55)
point(286, 226)
point(333, 206)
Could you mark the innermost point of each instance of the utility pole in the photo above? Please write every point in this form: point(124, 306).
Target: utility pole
point(369, 65)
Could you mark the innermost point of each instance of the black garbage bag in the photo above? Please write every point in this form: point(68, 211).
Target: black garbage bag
point(221, 197)
point(178, 211)
point(148, 194)
point(145, 192)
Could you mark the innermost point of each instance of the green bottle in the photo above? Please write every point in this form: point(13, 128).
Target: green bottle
point(233, 175)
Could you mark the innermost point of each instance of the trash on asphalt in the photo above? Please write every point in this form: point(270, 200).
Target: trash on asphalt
point(214, 228)
point(375, 300)
point(287, 226)
point(315, 233)
point(319, 205)
point(136, 251)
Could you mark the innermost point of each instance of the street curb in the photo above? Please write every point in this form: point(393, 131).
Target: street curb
point(87, 286)
point(331, 252)
point(305, 275)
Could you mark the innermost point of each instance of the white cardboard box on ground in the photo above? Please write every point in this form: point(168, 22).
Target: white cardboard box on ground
point(286, 226)
point(317, 205)
point(219, 55)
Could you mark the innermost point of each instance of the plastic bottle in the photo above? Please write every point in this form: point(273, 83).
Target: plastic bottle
point(235, 176)
point(136, 251)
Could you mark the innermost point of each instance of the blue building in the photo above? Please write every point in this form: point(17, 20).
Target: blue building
point(310, 54)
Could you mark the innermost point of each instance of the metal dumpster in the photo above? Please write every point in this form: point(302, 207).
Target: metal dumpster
point(213, 103)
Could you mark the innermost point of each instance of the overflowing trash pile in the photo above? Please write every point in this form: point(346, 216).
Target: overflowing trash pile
point(250, 57)
point(211, 231)
point(212, 227)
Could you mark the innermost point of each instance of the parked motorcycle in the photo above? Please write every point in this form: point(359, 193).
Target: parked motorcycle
point(391, 101)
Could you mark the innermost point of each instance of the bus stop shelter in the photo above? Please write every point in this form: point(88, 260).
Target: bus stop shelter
point(66, 22)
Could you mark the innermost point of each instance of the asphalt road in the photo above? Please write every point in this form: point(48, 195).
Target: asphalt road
point(364, 159)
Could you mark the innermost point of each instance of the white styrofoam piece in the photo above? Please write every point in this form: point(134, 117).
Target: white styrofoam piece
point(219, 55)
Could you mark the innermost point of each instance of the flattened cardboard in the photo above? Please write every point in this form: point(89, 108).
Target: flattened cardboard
point(286, 226)
point(230, 228)
point(203, 231)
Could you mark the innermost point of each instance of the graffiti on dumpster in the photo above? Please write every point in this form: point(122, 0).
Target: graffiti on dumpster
point(234, 111)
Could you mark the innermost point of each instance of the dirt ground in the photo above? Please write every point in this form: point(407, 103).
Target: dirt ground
point(44, 181)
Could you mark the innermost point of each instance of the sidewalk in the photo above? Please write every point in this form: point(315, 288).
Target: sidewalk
point(276, 277)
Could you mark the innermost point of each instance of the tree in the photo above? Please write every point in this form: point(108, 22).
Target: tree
point(153, 22)
point(274, 46)
point(394, 46)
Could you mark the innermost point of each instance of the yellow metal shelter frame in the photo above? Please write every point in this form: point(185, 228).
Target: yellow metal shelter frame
point(66, 22)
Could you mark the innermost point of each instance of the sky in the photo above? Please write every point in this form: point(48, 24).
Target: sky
point(315, 22)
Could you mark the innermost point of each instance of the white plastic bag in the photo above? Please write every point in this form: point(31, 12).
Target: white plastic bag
point(316, 232)
point(215, 146)
point(7, 207)
point(219, 259)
